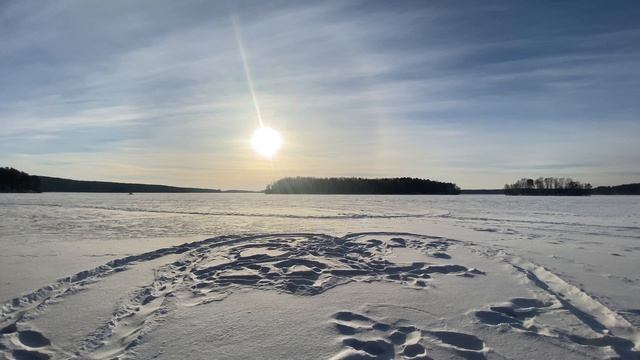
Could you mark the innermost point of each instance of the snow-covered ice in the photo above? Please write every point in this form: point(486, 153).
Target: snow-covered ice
point(238, 276)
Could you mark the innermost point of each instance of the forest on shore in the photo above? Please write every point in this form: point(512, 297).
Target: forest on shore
point(355, 185)
point(625, 189)
point(12, 180)
point(548, 186)
point(16, 181)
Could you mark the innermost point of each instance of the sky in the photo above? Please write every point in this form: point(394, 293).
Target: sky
point(479, 93)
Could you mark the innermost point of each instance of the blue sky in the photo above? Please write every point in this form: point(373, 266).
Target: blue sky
point(475, 92)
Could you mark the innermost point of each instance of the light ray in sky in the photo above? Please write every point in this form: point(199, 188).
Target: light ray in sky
point(247, 72)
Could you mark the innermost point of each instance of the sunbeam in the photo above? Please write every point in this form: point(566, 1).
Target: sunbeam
point(247, 71)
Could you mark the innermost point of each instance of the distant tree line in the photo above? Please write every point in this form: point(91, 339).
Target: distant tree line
point(626, 189)
point(12, 180)
point(52, 184)
point(353, 185)
point(547, 186)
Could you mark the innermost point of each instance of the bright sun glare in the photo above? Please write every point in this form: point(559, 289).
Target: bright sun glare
point(266, 141)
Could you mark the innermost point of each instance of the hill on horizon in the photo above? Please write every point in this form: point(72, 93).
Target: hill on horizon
point(54, 184)
point(624, 189)
point(16, 181)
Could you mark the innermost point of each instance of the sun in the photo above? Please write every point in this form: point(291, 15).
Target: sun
point(266, 141)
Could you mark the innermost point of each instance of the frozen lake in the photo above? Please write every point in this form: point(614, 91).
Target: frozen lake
point(591, 243)
point(61, 233)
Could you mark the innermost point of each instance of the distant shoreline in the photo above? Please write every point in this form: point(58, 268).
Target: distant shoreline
point(52, 184)
point(14, 181)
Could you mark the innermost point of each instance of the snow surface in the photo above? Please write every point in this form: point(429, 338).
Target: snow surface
point(239, 276)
